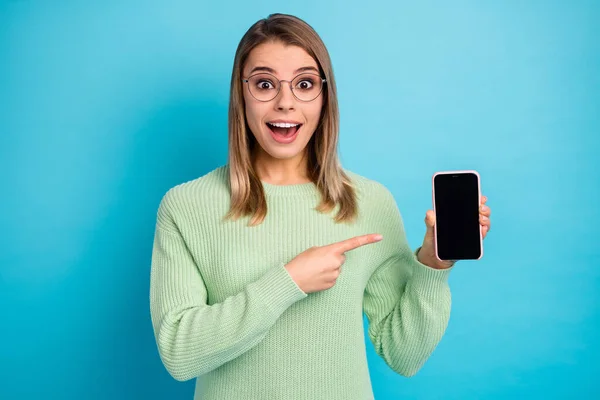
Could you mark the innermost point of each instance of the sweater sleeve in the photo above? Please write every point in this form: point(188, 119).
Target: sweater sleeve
point(406, 302)
point(194, 338)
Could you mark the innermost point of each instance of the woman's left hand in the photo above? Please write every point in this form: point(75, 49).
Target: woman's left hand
point(427, 253)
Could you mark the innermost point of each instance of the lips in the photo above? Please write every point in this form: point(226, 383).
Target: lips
point(283, 135)
point(289, 129)
point(283, 121)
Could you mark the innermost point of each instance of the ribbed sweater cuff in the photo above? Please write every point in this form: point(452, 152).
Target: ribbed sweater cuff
point(278, 290)
point(428, 278)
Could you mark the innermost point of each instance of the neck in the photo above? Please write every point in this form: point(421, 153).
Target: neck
point(281, 171)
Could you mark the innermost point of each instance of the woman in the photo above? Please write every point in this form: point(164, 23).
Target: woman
point(248, 293)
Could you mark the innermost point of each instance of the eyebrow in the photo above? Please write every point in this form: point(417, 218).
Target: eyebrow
point(272, 71)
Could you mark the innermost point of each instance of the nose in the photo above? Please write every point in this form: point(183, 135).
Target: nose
point(285, 99)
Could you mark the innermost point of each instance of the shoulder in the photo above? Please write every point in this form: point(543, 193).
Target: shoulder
point(197, 195)
point(376, 202)
point(369, 190)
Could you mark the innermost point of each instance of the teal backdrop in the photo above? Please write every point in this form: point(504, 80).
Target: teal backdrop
point(106, 105)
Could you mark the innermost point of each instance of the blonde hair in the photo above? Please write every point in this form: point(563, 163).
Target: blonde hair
point(324, 168)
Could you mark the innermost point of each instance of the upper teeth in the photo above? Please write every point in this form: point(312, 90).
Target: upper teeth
point(283, 124)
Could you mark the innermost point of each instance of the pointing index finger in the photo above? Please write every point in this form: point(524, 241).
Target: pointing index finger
point(355, 242)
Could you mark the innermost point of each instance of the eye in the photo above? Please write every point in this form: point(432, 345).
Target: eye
point(305, 84)
point(264, 84)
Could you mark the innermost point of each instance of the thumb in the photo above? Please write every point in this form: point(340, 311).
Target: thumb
point(429, 223)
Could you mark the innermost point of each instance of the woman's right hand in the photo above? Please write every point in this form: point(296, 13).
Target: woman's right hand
point(317, 268)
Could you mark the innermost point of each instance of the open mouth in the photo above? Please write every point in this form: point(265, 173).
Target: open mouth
point(281, 130)
point(284, 132)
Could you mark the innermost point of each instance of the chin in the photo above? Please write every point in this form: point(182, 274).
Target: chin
point(283, 154)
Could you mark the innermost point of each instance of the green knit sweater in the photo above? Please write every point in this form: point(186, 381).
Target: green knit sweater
point(225, 310)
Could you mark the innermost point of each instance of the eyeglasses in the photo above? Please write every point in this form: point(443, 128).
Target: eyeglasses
point(265, 87)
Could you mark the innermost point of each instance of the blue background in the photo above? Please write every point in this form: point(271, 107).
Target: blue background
point(106, 105)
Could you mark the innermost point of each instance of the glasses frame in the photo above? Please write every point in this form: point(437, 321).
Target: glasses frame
point(323, 81)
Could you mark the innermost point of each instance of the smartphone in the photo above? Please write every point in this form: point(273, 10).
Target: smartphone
point(456, 201)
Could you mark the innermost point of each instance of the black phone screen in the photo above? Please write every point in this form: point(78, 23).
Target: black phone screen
point(456, 197)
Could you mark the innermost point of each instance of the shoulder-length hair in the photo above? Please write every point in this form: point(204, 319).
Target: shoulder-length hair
point(324, 168)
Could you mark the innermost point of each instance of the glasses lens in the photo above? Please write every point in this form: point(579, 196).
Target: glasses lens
point(263, 87)
point(307, 87)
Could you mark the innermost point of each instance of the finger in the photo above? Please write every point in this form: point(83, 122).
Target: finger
point(430, 218)
point(484, 231)
point(485, 210)
point(483, 199)
point(355, 242)
point(483, 220)
point(487, 226)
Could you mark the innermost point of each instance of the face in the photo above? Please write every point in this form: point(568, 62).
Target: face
point(268, 119)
